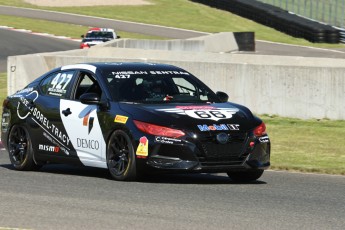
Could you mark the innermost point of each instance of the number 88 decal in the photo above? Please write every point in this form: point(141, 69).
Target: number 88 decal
point(211, 114)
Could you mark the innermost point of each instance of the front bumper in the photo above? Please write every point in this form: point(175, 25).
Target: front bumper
point(244, 154)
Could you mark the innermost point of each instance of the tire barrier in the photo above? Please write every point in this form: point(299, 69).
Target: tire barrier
point(278, 19)
point(342, 34)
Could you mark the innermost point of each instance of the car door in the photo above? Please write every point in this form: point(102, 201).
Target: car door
point(50, 139)
point(82, 123)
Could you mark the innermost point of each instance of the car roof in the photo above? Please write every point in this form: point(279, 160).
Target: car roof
point(100, 29)
point(123, 66)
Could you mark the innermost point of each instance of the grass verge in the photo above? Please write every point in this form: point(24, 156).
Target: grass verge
point(57, 28)
point(3, 89)
point(307, 145)
point(181, 14)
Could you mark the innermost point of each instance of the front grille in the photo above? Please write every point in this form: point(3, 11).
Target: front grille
point(231, 153)
point(215, 150)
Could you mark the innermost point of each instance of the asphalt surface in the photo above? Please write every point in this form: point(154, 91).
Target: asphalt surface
point(18, 43)
point(66, 197)
point(270, 48)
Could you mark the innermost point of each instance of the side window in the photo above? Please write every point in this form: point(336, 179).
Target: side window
point(87, 84)
point(57, 84)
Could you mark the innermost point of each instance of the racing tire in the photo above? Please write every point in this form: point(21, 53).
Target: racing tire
point(121, 157)
point(245, 176)
point(20, 149)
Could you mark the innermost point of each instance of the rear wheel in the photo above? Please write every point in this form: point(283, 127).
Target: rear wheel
point(245, 176)
point(121, 157)
point(20, 149)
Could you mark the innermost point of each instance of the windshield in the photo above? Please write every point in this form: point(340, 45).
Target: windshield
point(100, 34)
point(155, 87)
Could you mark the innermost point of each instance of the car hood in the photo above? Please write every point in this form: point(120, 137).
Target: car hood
point(195, 117)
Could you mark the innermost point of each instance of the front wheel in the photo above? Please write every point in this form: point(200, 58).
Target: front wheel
point(121, 157)
point(20, 149)
point(245, 176)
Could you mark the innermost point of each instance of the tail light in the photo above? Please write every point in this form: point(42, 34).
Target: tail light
point(84, 46)
point(260, 130)
point(158, 130)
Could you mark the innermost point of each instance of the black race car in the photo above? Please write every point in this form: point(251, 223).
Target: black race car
point(132, 118)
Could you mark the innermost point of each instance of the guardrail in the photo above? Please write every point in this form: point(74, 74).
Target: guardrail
point(278, 19)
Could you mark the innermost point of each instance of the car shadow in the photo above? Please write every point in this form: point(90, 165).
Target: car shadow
point(68, 170)
point(154, 178)
point(193, 178)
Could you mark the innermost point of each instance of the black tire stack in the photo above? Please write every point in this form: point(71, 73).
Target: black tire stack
point(278, 19)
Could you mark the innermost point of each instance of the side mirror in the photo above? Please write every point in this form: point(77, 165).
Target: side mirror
point(223, 97)
point(90, 98)
point(82, 36)
point(118, 37)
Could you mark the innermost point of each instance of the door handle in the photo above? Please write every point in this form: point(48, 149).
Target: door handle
point(66, 112)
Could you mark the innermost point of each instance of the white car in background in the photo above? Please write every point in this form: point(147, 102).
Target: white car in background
point(96, 36)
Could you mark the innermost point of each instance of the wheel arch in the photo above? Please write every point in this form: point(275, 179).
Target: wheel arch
point(119, 127)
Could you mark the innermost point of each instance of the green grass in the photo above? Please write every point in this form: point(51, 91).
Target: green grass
point(307, 145)
point(3, 89)
point(61, 29)
point(181, 14)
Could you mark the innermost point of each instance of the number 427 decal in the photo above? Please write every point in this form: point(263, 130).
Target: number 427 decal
point(210, 113)
point(61, 81)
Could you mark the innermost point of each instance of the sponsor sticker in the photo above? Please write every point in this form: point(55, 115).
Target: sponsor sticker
point(59, 84)
point(62, 148)
point(143, 148)
point(49, 148)
point(264, 139)
point(5, 121)
point(38, 117)
point(219, 127)
point(87, 143)
point(120, 119)
point(167, 140)
point(88, 121)
point(27, 90)
point(127, 74)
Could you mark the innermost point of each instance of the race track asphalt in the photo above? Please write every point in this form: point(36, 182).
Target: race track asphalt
point(66, 197)
point(18, 43)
